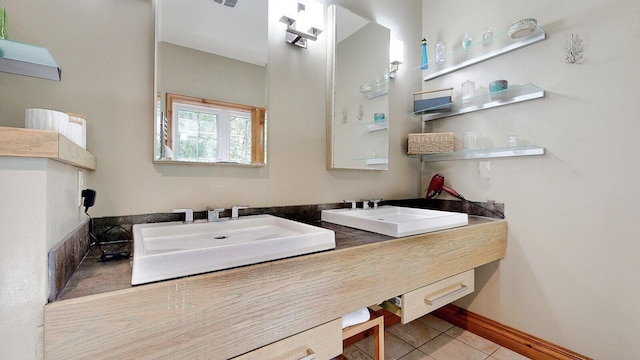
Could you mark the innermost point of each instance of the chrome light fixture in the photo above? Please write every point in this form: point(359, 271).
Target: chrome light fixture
point(396, 55)
point(304, 22)
point(229, 3)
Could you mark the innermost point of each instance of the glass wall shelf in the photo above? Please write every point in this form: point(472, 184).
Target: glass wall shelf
point(28, 60)
point(478, 52)
point(512, 151)
point(514, 94)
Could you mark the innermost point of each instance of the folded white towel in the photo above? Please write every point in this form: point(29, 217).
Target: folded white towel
point(356, 317)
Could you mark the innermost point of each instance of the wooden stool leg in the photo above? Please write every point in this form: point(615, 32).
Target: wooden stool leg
point(378, 338)
point(377, 326)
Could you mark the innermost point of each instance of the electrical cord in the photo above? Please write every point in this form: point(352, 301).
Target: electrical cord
point(95, 241)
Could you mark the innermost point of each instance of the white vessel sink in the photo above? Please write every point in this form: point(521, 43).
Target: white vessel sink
point(169, 250)
point(395, 220)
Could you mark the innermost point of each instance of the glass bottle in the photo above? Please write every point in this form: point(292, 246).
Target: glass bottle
point(487, 37)
point(425, 61)
point(466, 41)
point(441, 52)
point(468, 88)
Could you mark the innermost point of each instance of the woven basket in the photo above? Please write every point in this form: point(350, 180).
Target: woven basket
point(428, 143)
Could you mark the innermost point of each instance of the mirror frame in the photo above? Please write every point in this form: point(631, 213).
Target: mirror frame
point(259, 114)
point(331, 33)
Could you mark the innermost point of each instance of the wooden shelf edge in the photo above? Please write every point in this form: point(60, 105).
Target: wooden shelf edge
point(31, 143)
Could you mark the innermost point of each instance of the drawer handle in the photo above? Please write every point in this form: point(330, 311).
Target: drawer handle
point(310, 355)
point(445, 293)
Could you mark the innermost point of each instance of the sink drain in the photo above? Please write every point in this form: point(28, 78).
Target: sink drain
point(220, 237)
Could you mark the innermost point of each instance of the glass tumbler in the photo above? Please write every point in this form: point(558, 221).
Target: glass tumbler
point(470, 140)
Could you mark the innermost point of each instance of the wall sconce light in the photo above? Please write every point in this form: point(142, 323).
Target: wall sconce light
point(304, 22)
point(396, 55)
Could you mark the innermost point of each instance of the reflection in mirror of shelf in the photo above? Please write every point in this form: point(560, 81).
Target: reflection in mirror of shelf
point(358, 84)
point(378, 161)
point(502, 43)
point(511, 151)
point(380, 91)
point(377, 126)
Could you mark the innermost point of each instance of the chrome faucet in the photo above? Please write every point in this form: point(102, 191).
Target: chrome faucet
point(353, 203)
point(188, 214)
point(365, 204)
point(375, 203)
point(234, 210)
point(213, 213)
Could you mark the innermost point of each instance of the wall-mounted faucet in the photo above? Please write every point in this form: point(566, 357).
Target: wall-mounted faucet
point(234, 210)
point(213, 213)
point(188, 214)
point(353, 203)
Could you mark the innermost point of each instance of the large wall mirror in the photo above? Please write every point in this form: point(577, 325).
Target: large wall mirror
point(210, 81)
point(358, 99)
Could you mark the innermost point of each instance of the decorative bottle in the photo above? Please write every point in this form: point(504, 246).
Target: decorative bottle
point(466, 42)
point(425, 61)
point(487, 37)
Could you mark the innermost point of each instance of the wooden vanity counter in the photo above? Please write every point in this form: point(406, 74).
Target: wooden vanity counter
point(226, 313)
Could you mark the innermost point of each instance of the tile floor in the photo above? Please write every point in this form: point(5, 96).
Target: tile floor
point(430, 338)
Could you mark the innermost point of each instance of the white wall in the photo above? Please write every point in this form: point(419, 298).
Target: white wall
point(39, 209)
point(573, 257)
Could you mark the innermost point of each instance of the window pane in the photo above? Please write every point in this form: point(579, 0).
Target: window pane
point(240, 138)
point(188, 149)
point(197, 135)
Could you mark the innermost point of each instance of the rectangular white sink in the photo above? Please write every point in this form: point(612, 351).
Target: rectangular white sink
point(396, 221)
point(169, 250)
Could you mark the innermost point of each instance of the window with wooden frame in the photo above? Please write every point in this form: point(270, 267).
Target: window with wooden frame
point(203, 130)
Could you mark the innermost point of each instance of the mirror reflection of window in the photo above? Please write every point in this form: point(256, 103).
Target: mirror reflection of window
point(201, 52)
point(213, 131)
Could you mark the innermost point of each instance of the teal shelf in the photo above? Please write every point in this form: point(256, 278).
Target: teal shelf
point(512, 151)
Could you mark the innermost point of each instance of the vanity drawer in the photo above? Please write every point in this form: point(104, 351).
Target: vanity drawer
point(319, 343)
point(426, 299)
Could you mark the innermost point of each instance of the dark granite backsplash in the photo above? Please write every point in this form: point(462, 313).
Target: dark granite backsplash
point(119, 227)
point(64, 258)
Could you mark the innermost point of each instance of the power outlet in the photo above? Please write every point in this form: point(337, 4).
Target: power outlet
point(485, 169)
point(80, 186)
